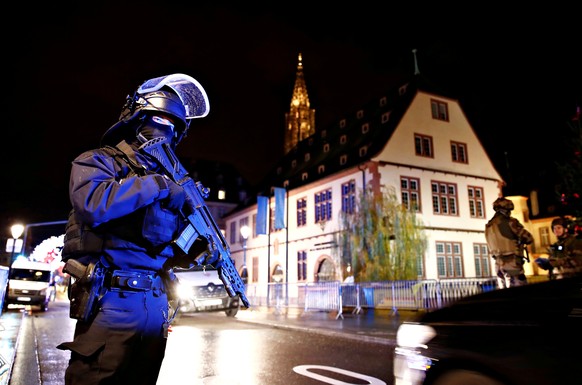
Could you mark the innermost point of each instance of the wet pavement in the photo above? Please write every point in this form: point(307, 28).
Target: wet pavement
point(378, 326)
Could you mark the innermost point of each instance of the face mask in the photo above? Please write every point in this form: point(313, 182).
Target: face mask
point(157, 127)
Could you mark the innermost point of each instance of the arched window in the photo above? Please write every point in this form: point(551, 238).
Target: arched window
point(325, 271)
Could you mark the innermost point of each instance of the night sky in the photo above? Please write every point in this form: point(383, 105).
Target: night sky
point(517, 75)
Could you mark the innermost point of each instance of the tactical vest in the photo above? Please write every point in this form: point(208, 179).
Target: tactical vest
point(498, 242)
point(152, 228)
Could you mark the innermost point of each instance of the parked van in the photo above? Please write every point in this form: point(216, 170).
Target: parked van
point(31, 283)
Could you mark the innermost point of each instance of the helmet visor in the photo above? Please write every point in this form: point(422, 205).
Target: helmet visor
point(188, 89)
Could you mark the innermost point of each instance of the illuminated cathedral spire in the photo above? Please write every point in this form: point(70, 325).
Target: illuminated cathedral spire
point(300, 120)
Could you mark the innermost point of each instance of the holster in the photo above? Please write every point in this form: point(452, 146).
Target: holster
point(86, 289)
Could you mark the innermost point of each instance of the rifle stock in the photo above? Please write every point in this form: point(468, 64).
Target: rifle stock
point(200, 222)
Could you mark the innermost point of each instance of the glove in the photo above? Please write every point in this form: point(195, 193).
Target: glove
point(177, 196)
point(212, 258)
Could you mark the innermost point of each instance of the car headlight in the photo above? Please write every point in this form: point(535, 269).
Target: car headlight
point(410, 363)
point(184, 291)
point(414, 335)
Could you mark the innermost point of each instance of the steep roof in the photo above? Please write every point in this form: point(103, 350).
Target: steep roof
point(342, 144)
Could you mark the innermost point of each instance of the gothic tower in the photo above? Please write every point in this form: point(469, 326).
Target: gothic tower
point(300, 120)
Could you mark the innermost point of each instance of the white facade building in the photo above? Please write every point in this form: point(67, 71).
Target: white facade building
point(414, 140)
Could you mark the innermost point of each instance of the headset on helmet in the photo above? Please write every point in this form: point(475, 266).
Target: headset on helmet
point(502, 204)
point(176, 96)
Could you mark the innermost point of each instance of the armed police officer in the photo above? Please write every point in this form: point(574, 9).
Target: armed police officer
point(119, 237)
point(565, 254)
point(506, 239)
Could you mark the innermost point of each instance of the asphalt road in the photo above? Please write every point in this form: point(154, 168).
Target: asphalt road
point(212, 349)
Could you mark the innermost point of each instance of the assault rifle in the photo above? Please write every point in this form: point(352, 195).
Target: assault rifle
point(523, 247)
point(200, 223)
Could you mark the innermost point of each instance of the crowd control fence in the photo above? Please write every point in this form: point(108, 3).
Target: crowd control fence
point(334, 296)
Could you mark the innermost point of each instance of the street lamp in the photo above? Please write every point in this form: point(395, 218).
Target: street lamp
point(16, 231)
point(245, 231)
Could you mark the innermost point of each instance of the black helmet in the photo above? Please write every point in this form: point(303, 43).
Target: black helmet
point(502, 204)
point(561, 221)
point(178, 96)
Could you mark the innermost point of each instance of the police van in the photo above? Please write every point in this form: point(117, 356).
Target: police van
point(31, 283)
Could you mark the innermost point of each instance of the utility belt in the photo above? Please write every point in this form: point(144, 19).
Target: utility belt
point(124, 280)
point(94, 280)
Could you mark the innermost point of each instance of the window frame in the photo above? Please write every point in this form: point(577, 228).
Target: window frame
point(439, 110)
point(459, 152)
point(423, 145)
point(444, 199)
point(406, 192)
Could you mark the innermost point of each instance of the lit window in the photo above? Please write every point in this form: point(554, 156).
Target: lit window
point(545, 236)
point(221, 195)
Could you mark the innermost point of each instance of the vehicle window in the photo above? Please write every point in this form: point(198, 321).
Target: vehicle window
point(30, 275)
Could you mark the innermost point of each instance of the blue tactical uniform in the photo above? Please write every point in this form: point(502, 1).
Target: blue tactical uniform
point(124, 218)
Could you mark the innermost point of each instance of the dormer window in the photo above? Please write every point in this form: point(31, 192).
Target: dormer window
point(440, 110)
